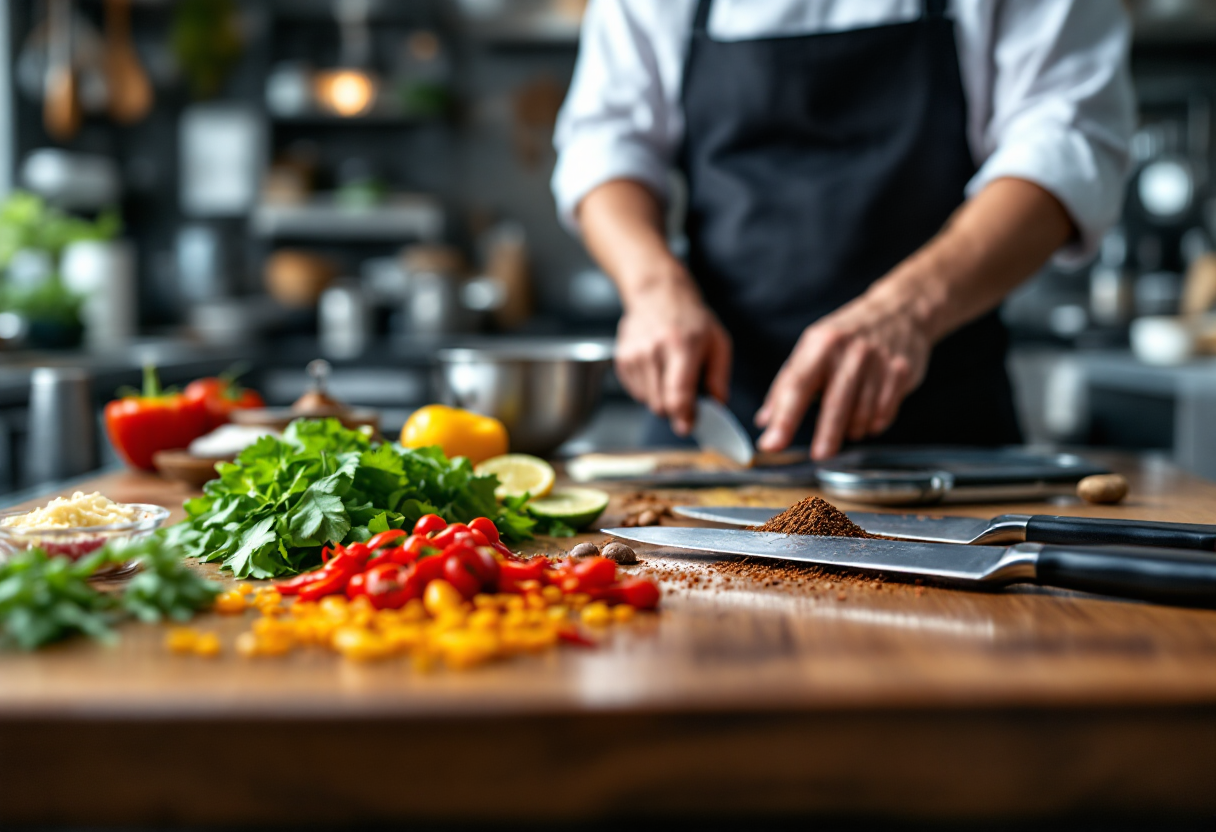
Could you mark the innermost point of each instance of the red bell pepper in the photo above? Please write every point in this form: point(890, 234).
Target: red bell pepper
point(218, 397)
point(141, 425)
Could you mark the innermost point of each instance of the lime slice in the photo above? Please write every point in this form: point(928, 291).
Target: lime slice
point(576, 507)
point(519, 474)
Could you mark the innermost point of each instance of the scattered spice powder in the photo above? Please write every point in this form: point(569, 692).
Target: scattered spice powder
point(813, 516)
point(816, 516)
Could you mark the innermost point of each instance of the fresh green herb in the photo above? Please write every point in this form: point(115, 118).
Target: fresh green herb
point(44, 599)
point(269, 513)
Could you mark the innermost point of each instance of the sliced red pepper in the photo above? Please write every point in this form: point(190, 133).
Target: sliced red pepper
point(511, 572)
point(294, 585)
point(572, 636)
point(636, 592)
point(382, 538)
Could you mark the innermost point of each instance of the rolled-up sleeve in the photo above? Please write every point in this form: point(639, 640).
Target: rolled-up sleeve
point(619, 120)
point(1062, 109)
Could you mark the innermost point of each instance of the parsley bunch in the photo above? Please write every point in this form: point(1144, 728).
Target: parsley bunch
point(269, 513)
point(44, 599)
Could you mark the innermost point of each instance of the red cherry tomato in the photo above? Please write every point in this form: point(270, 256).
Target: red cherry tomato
point(428, 569)
point(460, 573)
point(429, 523)
point(637, 592)
point(486, 526)
point(447, 537)
point(357, 585)
point(595, 571)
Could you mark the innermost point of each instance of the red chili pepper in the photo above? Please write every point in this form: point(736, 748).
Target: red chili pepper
point(429, 523)
point(486, 526)
point(294, 585)
point(504, 551)
point(141, 425)
point(384, 537)
point(332, 583)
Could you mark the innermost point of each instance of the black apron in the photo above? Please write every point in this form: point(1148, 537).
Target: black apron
point(815, 164)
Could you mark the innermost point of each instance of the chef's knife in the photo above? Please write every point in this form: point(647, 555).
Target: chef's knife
point(1007, 528)
point(717, 429)
point(1175, 576)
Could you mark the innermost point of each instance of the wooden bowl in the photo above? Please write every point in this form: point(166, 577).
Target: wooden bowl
point(184, 466)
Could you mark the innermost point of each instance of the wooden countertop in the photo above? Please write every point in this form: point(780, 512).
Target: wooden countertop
point(742, 698)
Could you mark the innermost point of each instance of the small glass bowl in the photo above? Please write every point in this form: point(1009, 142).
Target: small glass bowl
point(75, 543)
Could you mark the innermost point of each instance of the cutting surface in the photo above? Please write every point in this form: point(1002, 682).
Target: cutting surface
point(811, 651)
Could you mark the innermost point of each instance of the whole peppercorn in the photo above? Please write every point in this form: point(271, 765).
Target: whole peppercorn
point(586, 549)
point(620, 553)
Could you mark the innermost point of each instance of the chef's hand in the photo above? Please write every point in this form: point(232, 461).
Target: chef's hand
point(668, 343)
point(863, 359)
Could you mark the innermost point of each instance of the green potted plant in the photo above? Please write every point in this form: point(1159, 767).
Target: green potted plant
point(28, 224)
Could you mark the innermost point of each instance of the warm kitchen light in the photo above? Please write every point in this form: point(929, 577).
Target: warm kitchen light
point(347, 92)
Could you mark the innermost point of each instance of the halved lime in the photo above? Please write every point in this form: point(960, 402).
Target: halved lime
point(519, 474)
point(576, 507)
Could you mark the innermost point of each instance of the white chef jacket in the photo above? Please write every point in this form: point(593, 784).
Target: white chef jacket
point(1046, 81)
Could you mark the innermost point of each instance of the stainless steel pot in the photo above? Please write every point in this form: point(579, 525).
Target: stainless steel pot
point(543, 390)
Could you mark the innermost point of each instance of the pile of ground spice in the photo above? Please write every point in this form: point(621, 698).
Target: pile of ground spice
point(814, 515)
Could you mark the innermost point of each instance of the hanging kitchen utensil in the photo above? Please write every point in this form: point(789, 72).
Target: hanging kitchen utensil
point(131, 94)
point(1006, 528)
point(61, 109)
point(1172, 576)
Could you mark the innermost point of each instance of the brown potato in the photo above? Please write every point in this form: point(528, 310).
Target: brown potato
point(1102, 488)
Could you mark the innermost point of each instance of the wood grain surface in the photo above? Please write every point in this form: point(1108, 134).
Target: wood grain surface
point(739, 697)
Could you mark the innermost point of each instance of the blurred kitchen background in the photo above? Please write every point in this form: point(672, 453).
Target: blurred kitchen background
point(197, 183)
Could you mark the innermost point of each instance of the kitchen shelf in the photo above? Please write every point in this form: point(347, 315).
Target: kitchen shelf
point(401, 217)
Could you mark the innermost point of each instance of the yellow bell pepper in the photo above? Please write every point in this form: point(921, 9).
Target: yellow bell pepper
point(458, 432)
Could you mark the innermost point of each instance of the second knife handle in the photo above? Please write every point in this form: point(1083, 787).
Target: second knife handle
point(1044, 528)
point(1183, 577)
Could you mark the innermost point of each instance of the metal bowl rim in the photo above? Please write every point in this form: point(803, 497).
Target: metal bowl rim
point(582, 350)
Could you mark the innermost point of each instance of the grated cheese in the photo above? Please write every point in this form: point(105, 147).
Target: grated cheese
point(78, 511)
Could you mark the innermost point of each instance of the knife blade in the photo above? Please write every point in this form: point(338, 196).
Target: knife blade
point(1005, 528)
point(717, 429)
point(1175, 576)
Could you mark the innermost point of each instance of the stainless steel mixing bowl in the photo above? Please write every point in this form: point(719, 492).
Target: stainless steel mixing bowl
point(543, 390)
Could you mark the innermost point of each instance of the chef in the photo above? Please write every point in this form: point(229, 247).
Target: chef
point(865, 181)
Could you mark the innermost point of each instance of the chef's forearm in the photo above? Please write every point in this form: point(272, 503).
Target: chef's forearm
point(623, 228)
point(994, 242)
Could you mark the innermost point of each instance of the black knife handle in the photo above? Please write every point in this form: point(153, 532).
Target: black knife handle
point(1171, 576)
point(1045, 528)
